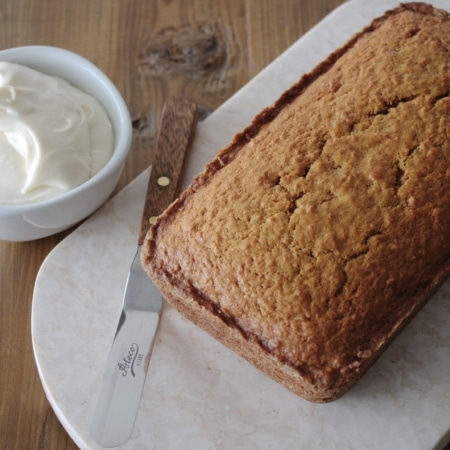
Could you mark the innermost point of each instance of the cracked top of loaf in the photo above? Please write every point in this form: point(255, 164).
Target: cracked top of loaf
point(313, 238)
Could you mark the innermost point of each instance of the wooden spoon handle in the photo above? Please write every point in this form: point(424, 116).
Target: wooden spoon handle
point(177, 129)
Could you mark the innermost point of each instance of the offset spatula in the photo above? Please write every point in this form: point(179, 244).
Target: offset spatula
point(129, 357)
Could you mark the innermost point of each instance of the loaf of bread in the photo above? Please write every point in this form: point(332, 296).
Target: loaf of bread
point(310, 241)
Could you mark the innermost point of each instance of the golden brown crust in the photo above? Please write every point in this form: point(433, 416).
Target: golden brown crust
point(310, 241)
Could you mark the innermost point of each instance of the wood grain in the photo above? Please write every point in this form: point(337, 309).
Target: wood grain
point(227, 41)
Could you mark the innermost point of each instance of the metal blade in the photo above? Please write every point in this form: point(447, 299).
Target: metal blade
point(120, 394)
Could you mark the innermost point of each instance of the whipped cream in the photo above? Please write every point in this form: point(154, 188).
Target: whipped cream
point(53, 136)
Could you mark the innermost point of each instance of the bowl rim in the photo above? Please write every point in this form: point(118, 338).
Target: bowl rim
point(123, 142)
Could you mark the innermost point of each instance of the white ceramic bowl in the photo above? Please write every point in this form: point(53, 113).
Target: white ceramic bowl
point(37, 220)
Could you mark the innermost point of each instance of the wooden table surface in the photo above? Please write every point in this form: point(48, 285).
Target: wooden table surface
point(150, 49)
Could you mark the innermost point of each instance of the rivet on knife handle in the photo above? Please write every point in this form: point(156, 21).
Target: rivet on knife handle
point(176, 131)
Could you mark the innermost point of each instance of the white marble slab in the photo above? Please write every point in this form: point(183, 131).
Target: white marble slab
point(198, 394)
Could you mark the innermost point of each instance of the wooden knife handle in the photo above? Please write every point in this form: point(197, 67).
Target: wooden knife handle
point(177, 129)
